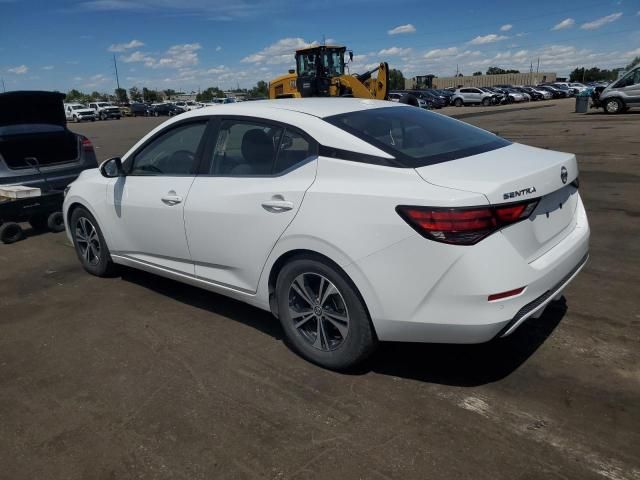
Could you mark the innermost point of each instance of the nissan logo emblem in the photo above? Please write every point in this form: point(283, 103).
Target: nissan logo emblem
point(564, 174)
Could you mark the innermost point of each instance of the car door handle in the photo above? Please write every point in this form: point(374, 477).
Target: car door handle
point(277, 206)
point(171, 200)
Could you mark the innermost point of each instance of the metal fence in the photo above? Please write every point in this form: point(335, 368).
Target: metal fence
point(487, 80)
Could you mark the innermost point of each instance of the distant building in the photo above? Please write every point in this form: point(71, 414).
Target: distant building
point(184, 97)
point(423, 81)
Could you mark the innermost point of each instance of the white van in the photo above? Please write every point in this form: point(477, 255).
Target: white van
point(76, 112)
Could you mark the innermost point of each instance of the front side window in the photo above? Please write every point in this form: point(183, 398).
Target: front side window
point(415, 137)
point(631, 78)
point(172, 153)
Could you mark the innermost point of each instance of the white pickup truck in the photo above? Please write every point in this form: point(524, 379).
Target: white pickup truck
point(76, 112)
point(104, 110)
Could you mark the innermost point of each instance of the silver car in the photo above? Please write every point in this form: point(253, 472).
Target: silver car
point(621, 94)
point(470, 96)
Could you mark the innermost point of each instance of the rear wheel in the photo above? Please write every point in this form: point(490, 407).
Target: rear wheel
point(613, 105)
point(89, 243)
point(322, 314)
point(458, 102)
point(10, 232)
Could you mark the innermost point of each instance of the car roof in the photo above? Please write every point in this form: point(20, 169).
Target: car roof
point(317, 107)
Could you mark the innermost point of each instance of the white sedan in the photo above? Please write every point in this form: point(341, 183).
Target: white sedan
point(352, 221)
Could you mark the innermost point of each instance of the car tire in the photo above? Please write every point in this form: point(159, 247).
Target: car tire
point(458, 102)
point(486, 102)
point(11, 232)
point(613, 106)
point(339, 333)
point(87, 237)
point(75, 119)
point(55, 222)
point(156, 114)
point(39, 222)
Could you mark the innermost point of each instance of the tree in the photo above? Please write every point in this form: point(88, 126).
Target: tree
point(135, 95)
point(477, 74)
point(396, 80)
point(633, 63)
point(499, 71)
point(209, 94)
point(77, 96)
point(593, 74)
point(150, 95)
point(260, 90)
point(169, 93)
point(121, 95)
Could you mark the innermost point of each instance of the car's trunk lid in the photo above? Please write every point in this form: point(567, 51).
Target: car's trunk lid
point(32, 107)
point(518, 173)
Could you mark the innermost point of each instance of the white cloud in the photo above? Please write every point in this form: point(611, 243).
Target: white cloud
point(394, 51)
point(506, 28)
point(441, 52)
point(280, 52)
point(490, 38)
point(138, 56)
point(566, 23)
point(19, 70)
point(601, 21)
point(48, 67)
point(400, 29)
point(218, 48)
point(633, 53)
point(180, 56)
point(121, 47)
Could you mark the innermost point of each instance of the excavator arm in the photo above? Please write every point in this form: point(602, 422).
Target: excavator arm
point(365, 86)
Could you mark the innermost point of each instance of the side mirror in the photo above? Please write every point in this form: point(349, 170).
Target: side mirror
point(112, 168)
point(350, 56)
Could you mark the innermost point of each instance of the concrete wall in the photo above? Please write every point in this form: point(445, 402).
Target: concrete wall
point(488, 80)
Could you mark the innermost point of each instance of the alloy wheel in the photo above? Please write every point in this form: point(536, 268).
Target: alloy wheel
point(318, 311)
point(88, 241)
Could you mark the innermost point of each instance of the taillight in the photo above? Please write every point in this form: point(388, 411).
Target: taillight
point(87, 146)
point(466, 225)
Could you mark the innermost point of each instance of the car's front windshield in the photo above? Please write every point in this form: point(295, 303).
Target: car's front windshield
point(415, 137)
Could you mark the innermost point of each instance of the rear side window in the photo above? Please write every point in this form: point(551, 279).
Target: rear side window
point(246, 148)
point(415, 137)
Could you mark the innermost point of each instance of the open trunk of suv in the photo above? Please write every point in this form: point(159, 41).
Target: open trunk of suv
point(33, 125)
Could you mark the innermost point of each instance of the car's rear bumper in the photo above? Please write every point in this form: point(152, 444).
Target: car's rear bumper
point(422, 291)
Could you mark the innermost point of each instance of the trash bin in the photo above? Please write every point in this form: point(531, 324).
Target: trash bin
point(582, 104)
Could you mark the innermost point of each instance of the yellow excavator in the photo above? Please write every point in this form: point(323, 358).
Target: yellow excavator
point(321, 72)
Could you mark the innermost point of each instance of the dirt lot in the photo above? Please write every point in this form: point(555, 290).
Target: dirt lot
point(141, 377)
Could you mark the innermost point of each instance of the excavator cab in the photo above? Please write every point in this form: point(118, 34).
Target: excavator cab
point(316, 67)
point(321, 72)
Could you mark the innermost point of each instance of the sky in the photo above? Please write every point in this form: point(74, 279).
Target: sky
point(188, 45)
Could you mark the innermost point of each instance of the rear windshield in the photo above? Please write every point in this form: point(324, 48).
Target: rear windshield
point(415, 137)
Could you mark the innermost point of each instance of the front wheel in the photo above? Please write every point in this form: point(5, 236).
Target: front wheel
point(486, 102)
point(322, 314)
point(89, 244)
point(458, 102)
point(613, 105)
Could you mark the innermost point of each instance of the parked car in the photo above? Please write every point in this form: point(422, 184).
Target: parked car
point(395, 96)
point(557, 93)
point(620, 95)
point(169, 109)
point(547, 95)
point(470, 96)
point(33, 125)
point(533, 94)
point(433, 99)
point(515, 95)
point(188, 105)
point(564, 88)
point(76, 112)
point(139, 110)
point(104, 110)
point(577, 87)
point(430, 204)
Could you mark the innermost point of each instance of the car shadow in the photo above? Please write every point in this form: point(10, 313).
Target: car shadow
point(455, 365)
